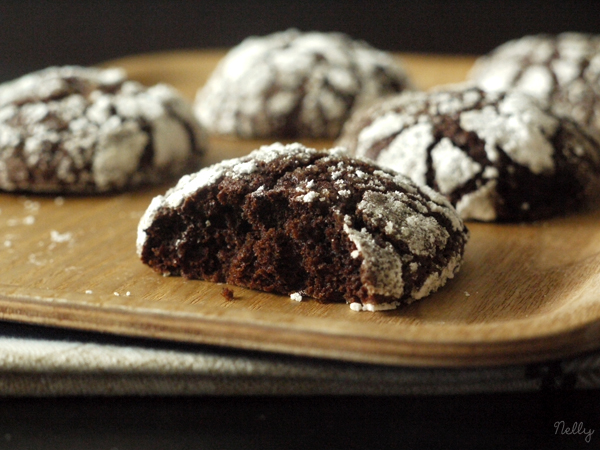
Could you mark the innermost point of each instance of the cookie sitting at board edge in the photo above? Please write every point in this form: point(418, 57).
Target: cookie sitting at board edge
point(85, 130)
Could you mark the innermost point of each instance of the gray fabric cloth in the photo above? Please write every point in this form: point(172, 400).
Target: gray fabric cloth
point(47, 362)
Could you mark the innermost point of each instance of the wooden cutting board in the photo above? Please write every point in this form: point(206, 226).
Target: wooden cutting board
point(526, 292)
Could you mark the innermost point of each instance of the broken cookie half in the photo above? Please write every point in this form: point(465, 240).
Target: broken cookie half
point(301, 222)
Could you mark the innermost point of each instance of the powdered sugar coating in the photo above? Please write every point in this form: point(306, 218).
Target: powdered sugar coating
point(292, 83)
point(495, 155)
point(562, 71)
point(453, 168)
point(405, 241)
point(516, 126)
point(85, 130)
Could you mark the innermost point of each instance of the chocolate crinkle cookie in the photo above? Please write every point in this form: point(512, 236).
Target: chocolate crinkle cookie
point(496, 156)
point(562, 71)
point(302, 222)
point(295, 84)
point(88, 130)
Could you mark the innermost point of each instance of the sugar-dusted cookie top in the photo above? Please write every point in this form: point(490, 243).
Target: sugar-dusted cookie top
point(562, 71)
point(295, 84)
point(302, 222)
point(88, 130)
point(496, 156)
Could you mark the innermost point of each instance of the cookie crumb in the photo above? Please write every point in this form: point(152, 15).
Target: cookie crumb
point(227, 294)
point(32, 206)
point(467, 294)
point(29, 220)
point(60, 238)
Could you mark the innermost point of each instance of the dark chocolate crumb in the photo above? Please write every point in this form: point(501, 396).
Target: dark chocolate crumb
point(227, 294)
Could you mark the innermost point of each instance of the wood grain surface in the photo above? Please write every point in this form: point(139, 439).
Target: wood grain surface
point(526, 292)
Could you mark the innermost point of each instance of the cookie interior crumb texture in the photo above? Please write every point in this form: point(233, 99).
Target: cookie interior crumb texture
point(85, 130)
point(297, 221)
point(496, 156)
point(562, 71)
point(295, 84)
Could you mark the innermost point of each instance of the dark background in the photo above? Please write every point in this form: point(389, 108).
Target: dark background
point(37, 33)
point(469, 422)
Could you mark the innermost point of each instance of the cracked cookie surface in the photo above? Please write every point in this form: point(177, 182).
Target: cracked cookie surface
point(496, 156)
point(301, 222)
point(295, 84)
point(562, 71)
point(86, 130)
